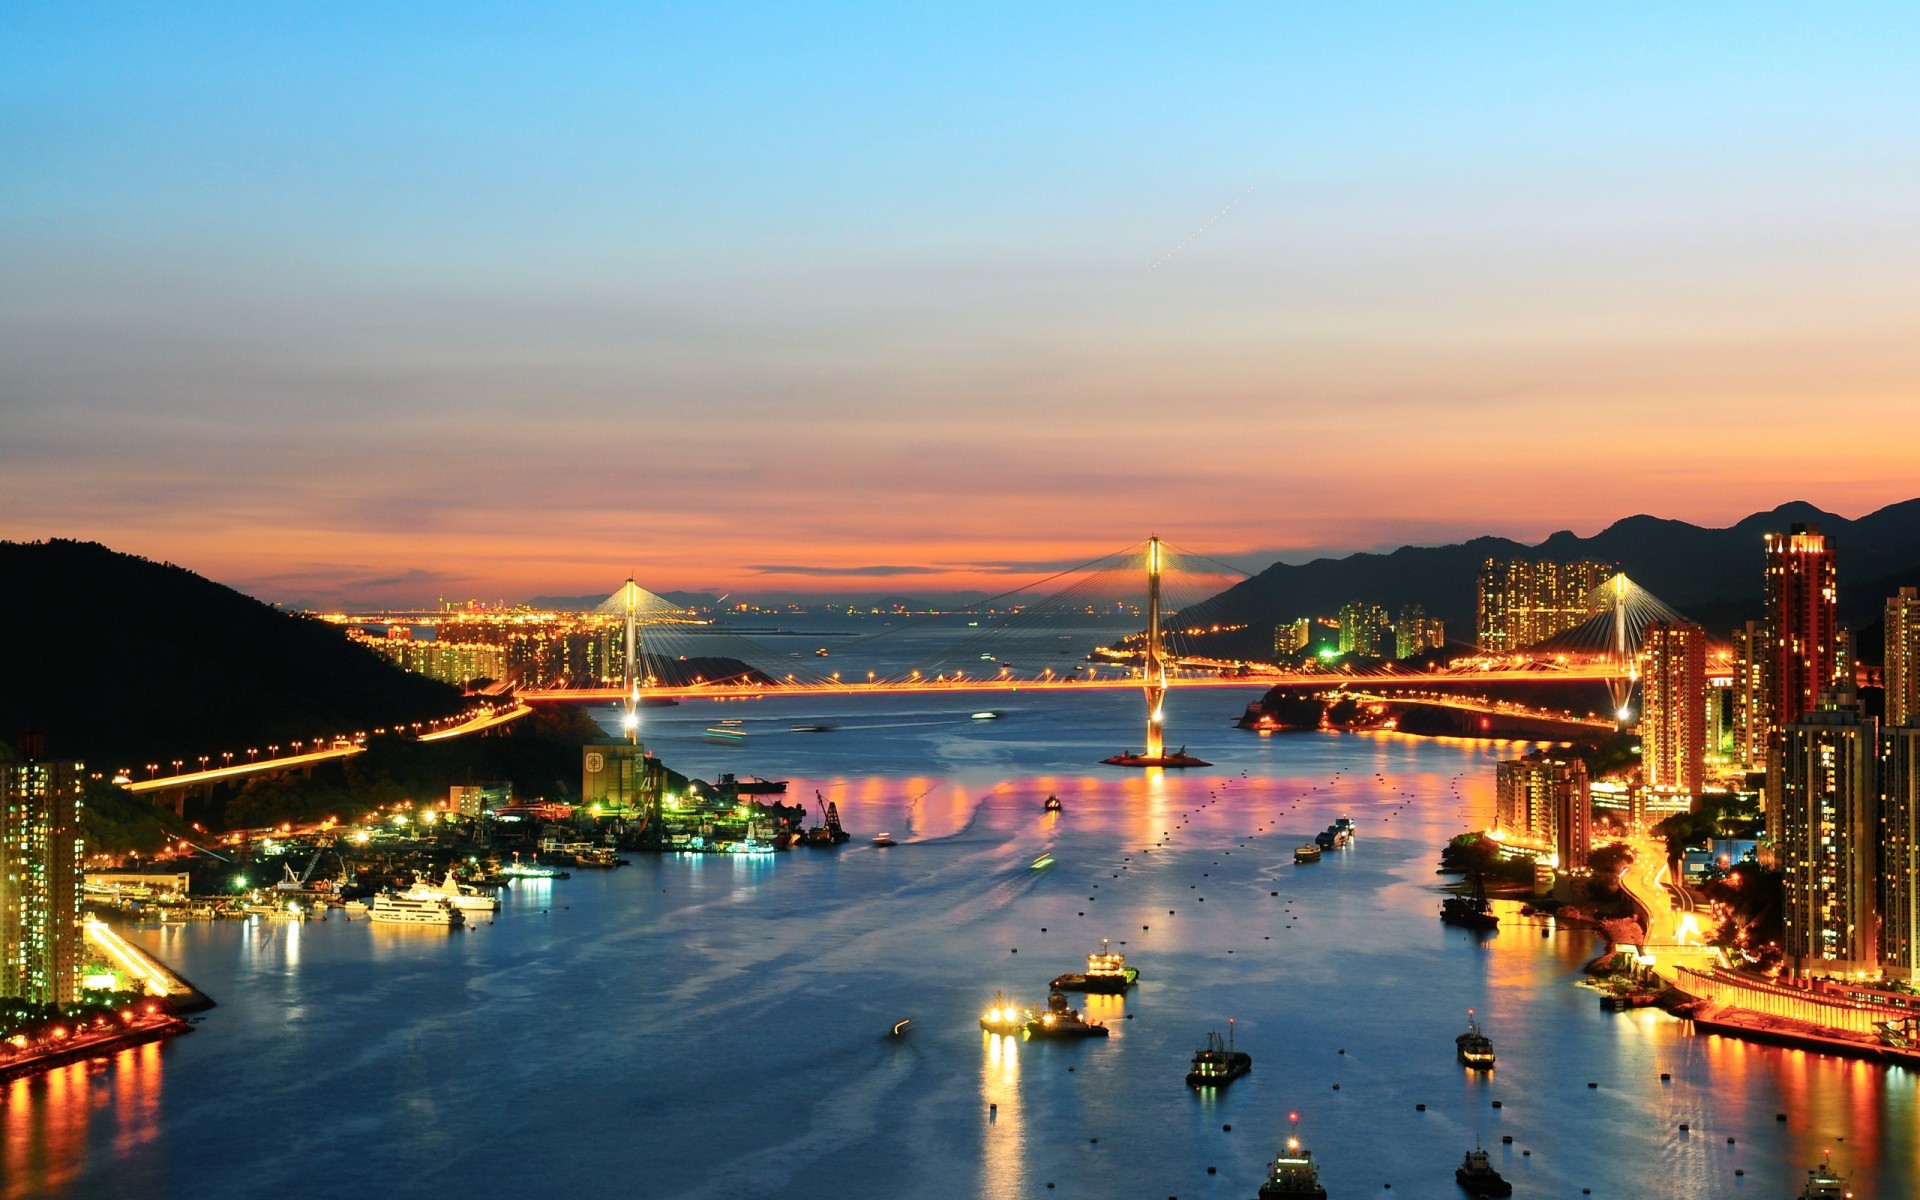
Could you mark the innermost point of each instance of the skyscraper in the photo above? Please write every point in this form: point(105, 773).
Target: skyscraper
point(1900, 850)
point(1903, 657)
point(1416, 633)
point(1523, 603)
point(1752, 657)
point(1824, 777)
point(1673, 740)
point(1800, 615)
point(1545, 801)
point(1366, 630)
point(40, 878)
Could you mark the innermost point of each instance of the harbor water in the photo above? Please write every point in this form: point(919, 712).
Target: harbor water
point(721, 1027)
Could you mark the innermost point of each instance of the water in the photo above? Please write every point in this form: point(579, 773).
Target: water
point(717, 1028)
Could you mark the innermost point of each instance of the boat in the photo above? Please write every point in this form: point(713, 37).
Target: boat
point(808, 729)
point(401, 909)
point(1004, 1016)
point(1308, 853)
point(901, 1026)
point(1053, 804)
point(466, 899)
point(828, 833)
point(721, 733)
point(1476, 1174)
point(1292, 1173)
point(1475, 1048)
point(753, 785)
point(1331, 838)
point(354, 908)
point(530, 870)
point(1344, 825)
point(1471, 912)
point(1218, 1064)
point(883, 840)
point(1823, 1184)
point(1059, 1021)
point(1043, 859)
point(1107, 973)
point(988, 715)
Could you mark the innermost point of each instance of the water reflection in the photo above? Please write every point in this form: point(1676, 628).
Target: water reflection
point(45, 1119)
point(1004, 1171)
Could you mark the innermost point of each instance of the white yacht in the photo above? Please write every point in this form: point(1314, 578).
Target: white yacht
point(404, 908)
point(462, 897)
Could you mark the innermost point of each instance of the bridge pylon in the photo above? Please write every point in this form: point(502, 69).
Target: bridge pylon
point(1154, 676)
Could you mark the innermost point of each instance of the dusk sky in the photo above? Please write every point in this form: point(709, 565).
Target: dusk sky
point(389, 302)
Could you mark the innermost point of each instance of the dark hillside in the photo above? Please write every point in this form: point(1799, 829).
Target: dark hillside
point(121, 661)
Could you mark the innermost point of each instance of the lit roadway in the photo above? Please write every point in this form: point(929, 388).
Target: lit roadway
point(1674, 935)
point(483, 720)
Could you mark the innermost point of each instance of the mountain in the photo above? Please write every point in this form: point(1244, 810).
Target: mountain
point(1712, 575)
point(121, 662)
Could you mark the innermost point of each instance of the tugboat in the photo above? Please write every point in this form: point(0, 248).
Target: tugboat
point(1107, 973)
point(883, 840)
point(1293, 1173)
point(1219, 1064)
point(1823, 1184)
point(1308, 853)
point(1059, 1021)
point(1476, 1174)
point(828, 833)
point(1052, 804)
point(1475, 1048)
point(1004, 1016)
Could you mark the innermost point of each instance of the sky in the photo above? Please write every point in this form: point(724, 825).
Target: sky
point(382, 303)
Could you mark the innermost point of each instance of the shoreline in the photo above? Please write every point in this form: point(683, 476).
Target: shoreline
point(162, 1026)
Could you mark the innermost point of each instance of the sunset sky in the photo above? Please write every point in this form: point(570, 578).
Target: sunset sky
point(382, 303)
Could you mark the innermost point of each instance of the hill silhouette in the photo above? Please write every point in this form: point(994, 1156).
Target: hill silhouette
point(1713, 576)
point(121, 661)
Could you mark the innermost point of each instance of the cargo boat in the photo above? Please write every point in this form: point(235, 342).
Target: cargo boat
point(1218, 1064)
point(1059, 1021)
point(1474, 1047)
point(1107, 974)
point(1476, 1174)
point(1292, 1173)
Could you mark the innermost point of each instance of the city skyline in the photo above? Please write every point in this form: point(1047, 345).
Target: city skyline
point(342, 308)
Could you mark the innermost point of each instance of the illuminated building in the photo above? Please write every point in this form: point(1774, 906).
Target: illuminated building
point(1823, 779)
point(1903, 658)
point(1417, 633)
point(1523, 603)
point(622, 777)
point(1291, 637)
point(1673, 740)
point(1752, 654)
point(1800, 612)
point(1900, 850)
point(1364, 630)
point(470, 800)
point(1544, 802)
point(40, 877)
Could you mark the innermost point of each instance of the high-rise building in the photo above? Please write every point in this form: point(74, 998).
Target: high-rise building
point(1544, 802)
point(1824, 779)
point(1903, 657)
point(1900, 851)
point(40, 878)
point(1800, 612)
point(1523, 603)
point(1365, 629)
point(1673, 740)
point(1417, 633)
point(1752, 655)
point(1291, 637)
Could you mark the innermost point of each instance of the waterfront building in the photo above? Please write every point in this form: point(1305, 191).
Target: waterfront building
point(470, 800)
point(1752, 724)
point(1673, 738)
point(1417, 633)
point(1902, 670)
point(1801, 596)
point(1522, 603)
point(1899, 846)
point(1365, 630)
point(1823, 780)
point(41, 878)
point(622, 777)
point(1543, 802)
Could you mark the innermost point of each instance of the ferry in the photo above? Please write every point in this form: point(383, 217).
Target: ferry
point(530, 870)
point(1004, 1016)
point(1823, 1184)
point(1476, 1174)
point(1219, 1064)
point(1308, 853)
point(1059, 1021)
point(1053, 804)
point(401, 909)
point(466, 899)
point(1293, 1174)
point(1475, 1048)
point(1107, 973)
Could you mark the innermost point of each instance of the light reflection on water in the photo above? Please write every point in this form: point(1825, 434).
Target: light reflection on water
point(706, 1026)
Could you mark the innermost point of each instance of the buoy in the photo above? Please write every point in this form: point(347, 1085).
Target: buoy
point(1211, 1170)
point(1496, 1104)
point(1592, 1084)
point(1419, 1108)
point(1683, 1127)
point(1665, 1078)
point(1506, 1139)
